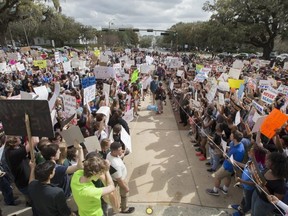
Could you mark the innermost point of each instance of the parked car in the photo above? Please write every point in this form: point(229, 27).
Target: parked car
point(242, 56)
point(224, 55)
point(282, 57)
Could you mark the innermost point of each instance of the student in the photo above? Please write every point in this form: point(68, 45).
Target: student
point(47, 199)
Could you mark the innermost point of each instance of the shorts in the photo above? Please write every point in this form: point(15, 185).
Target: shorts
point(221, 173)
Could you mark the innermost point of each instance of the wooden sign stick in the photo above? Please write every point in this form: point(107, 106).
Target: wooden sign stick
point(28, 128)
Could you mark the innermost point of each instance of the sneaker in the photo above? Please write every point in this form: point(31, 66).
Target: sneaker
point(202, 158)
point(130, 210)
point(212, 192)
point(223, 191)
point(237, 184)
point(208, 164)
point(199, 154)
point(210, 170)
point(236, 207)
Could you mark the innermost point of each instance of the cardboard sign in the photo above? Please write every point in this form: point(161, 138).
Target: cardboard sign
point(57, 58)
point(283, 89)
point(234, 73)
point(42, 92)
point(144, 68)
point(274, 121)
point(55, 95)
point(102, 72)
point(20, 67)
point(258, 124)
point(285, 67)
point(238, 64)
point(223, 86)
point(3, 67)
point(69, 103)
point(179, 73)
point(12, 115)
point(106, 91)
point(237, 120)
point(92, 143)
point(235, 83)
point(268, 96)
point(221, 99)
point(89, 94)
point(126, 139)
point(25, 49)
point(128, 116)
point(72, 134)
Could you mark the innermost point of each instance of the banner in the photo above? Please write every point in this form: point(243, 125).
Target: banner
point(89, 94)
point(103, 72)
point(274, 121)
point(42, 64)
point(268, 96)
point(233, 83)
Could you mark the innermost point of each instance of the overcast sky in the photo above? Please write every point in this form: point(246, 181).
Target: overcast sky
point(156, 14)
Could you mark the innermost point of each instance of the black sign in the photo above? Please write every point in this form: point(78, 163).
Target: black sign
point(12, 115)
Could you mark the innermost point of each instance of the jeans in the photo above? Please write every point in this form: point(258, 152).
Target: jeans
point(214, 159)
point(123, 196)
point(246, 200)
point(260, 207)
point(7, 190)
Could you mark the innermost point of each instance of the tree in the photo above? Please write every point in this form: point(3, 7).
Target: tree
point(17, 10)
point(145, 41)
point(261, 21)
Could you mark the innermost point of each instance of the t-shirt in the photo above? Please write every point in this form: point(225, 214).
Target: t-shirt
point(47, 200)
point(246, 176)
point(86, 196)
point(18, 163)
point(118, 165)
point(238, 152)
point(61, 179)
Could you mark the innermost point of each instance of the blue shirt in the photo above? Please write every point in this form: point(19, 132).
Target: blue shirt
point(246, 176)
point(238, 152)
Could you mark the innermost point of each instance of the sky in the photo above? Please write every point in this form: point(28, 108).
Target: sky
point(142, 14)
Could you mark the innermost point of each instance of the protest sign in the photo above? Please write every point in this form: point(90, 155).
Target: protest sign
point(283, 89)
point(274, 121)
point(42, 64)
point(238, 64)
point(25, 49)
point(12, 115)
point(285, 67)
point(128, 116)
point(199, 67)
point(221, 98)
point(92, 143)
point(54, 96)
point(258, 124)
point(211, 94)
point(179, 73)
point(223, 86)
point(224, 145)
point(104, 57)
point(69, 103)
point(67, 67)
point(126, 139)
point(106, 91)
point(258, 106)
point(264, 84)
point(134, 76)
point(149, 60)
point(26, 95)
point(12, 56)
point(144, 68)
point(223, 77)
point(3, 67)
point(268, 96)
point(42, 92)
point(106, 111)
point(234, 73)
point(233, 83)
point(237, 118)
point(2, 54)
point(89, 94)
point(241, 91)
point(57, 57)
point(72, 134)
point(256, 117)
point(20, 67)
point(103, 72)
point(173, 62)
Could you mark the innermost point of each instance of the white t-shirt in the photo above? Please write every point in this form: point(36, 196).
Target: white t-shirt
point(119, 165)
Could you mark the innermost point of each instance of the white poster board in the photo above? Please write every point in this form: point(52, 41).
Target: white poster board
point(67, 67)
point(89, 94)
point(103, 72)
point(126, 139)
point(234, 73)
point(42, 92)
point(92, 143)
point(128, 116)
point(69, 105)
point(106, 111)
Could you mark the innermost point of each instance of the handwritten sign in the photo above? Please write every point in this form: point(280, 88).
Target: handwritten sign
point(42, 64)
point(89, 94)
point(233, 83)
point(92, 143)
point(234, 73)
point(274, 121)
point(258, 124)
point(69, 103)
point(67, 67)
point(264, 84)
point(102, 72)
point(238, 64)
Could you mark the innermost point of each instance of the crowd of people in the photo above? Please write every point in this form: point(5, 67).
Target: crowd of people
point(220, 102)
